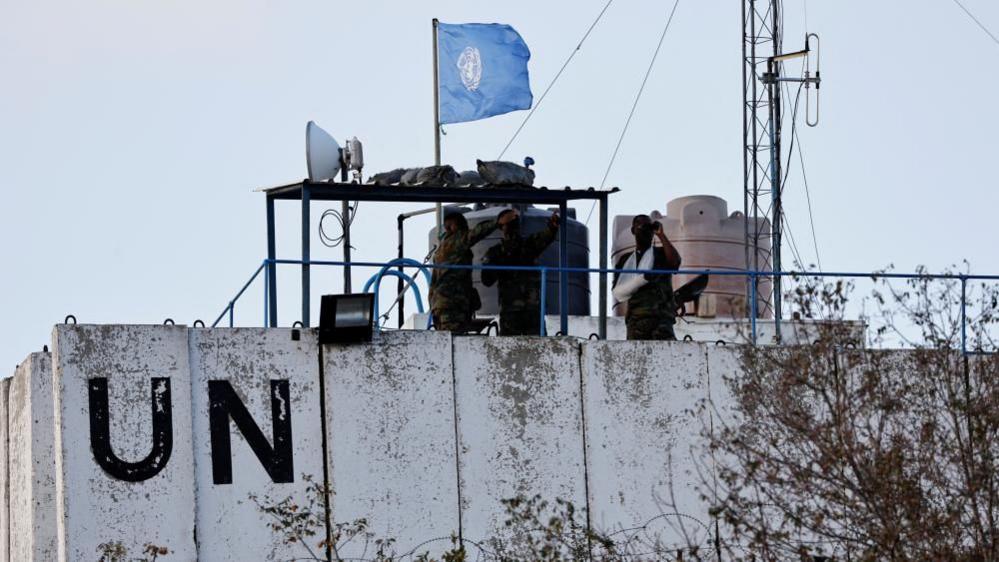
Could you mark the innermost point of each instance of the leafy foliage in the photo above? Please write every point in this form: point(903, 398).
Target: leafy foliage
point(534, 530)
point(866, 454)
point(117, 552)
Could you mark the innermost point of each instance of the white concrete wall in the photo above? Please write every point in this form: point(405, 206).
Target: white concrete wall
point(642, 436)
point(724, 363)
point(5, 511)
point(390, 412)
point(426, 433)
point(519, 425)
point(230, 525)
point(32, 461)
point(93, 507)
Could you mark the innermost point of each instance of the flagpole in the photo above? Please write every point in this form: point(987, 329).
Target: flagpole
point(437, 127)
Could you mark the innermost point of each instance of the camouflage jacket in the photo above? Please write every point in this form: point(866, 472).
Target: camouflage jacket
point(518, 290)
point(451, 289)
point(655, 298)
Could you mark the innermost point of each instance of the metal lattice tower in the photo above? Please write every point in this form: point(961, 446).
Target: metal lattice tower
point(761, 119)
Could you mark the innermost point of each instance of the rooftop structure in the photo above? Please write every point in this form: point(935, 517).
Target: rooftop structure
point(307, 191)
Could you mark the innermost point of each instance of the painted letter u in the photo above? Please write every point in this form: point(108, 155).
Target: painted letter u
point(100, 432)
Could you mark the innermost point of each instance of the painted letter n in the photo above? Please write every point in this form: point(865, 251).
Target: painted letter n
point(224, 404)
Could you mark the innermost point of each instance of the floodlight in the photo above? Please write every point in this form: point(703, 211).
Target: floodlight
point(322, 153)
point(346, 318)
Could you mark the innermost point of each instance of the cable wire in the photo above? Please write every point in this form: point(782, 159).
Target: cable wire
point(787, 172)
point(785, 223)
point(634, 106)
point(976, 20)
point(631, 114)
point(334, 241)
point(652, 63)
point(808, 198)
point(555, 79)
point(786, 228)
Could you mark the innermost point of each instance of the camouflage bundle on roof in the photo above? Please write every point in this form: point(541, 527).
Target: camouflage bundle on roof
point(505, 173)
point(489, 173)
point(431, 175)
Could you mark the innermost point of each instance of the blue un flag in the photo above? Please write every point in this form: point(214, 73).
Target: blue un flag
point(482, 71)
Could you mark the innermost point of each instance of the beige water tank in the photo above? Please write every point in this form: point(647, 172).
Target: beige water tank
point(707, 237)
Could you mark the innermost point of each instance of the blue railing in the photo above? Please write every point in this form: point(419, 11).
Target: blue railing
point(543, 271)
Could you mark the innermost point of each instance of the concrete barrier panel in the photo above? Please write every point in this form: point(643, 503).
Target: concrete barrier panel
point(32, 461)
point(4, 481)
point(724, 366)
point(643, 437)
point(519, 425)
point(261, 373)
point(390, 427)
point(124, 461)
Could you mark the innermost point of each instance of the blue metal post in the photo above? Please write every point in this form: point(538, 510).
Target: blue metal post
point(602, 302)
point(271, 265)
point(752, 304)
point(964, 324)
point(265, 296)
point(232, 306)
point(563, 263)
point(246, 285)
point(306, 200)
point(544, 301)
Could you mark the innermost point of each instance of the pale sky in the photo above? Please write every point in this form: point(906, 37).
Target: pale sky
point(133, 133)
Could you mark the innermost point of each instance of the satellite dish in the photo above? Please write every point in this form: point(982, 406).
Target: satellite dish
point(322, 153)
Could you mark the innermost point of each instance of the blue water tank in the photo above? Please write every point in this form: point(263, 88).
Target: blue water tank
point(534, 220)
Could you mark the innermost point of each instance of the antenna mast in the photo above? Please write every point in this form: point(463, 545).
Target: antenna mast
point(761, 41)
point(762, 60)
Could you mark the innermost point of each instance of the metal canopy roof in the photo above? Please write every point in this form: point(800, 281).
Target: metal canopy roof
point(330, 191)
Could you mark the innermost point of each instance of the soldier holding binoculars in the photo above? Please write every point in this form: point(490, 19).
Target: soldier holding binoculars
point(649, 296)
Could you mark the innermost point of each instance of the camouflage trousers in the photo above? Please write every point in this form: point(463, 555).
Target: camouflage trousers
point(451, 321)
point(650, 328)
point(520, 323)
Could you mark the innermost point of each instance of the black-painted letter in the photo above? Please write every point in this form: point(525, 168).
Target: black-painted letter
point(223, 404)
point(100, 433)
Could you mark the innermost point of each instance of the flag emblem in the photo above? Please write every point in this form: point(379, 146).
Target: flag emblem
point(470, 68)
point(482, 71)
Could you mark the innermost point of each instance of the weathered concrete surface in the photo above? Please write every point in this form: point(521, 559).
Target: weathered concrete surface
point(426, 434)
point(724, 365)
point(390, 427)
point(519, 425)
point(4, 479)
point(230, 524)
point(31, 449)
point(643, 434)
point(93, 507)
point(692, 328)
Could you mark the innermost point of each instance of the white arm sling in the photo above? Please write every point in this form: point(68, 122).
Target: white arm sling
point(628, 283)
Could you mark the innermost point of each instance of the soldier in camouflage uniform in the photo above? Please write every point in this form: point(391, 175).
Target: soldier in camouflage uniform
point(651, 308)
point(453, 299)
point(519, 291)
